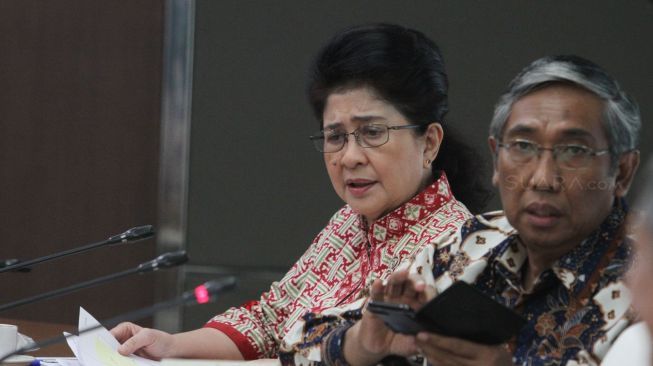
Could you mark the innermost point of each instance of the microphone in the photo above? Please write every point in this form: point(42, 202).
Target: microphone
point(135, 233)
point(11, 262)
point(131, 235)
point(202, 294)
point(166, 260)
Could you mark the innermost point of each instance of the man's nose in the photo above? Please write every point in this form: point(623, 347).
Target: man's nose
point(546, 174)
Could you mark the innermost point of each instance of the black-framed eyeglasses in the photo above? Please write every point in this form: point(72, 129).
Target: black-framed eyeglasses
point(568, 156)
point(371, 135)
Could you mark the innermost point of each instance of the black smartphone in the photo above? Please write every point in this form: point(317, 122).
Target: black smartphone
point(461, 311)
point(398, 317)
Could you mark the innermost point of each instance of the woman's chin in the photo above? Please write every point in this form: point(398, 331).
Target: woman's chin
point(369, 214)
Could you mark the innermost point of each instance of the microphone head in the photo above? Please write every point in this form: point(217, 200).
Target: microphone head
point(171, 259)
point(133, 234)
point(13, 262)
point(140, 232)
point(166, 260)
point(208, 291)
point(8, 262)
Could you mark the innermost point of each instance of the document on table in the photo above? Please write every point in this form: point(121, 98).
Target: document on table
point(99, 348)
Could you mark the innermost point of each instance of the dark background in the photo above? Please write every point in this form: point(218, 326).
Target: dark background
point(80, 102)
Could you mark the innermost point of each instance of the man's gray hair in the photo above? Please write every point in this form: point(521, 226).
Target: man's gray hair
point(621, 118)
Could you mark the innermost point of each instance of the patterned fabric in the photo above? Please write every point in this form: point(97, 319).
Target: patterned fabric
point(575, 310)
point(310, 342)
point(340, 265)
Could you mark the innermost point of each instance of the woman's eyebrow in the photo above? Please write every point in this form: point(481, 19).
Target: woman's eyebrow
point(367, 118)
point(333, 126)
point(356, 119)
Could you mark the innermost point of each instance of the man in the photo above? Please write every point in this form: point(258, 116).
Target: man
point(564, 141)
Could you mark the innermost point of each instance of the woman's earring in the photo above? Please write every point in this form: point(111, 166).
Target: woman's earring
point(428, 163)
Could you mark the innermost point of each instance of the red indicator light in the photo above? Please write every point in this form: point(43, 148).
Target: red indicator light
point(202, 294)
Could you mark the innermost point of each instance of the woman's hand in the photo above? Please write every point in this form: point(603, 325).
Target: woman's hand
point(447, 351)
point(207, 343)
point(370, 340)
point(149, 343)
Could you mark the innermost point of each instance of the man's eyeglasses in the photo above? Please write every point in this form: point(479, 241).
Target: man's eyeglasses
point(371, 135)
point(571, 156)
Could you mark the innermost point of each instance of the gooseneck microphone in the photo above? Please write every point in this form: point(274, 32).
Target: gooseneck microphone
point(166, 260)
point(131, 235)
point(207, 292)
point(11, 262)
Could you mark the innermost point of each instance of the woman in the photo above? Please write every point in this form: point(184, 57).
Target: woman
point(380, 95)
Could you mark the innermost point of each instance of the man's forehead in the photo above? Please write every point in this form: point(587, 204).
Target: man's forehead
point(562, 110)
point(523, 128)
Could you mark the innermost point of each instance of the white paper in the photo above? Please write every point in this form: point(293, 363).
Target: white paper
point(99, 348)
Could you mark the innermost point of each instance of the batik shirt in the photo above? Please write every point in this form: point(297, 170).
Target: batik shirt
point(575, 309)
point(574, 312)
point(340, 265)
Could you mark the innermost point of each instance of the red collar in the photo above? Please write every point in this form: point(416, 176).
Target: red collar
point(395, 223)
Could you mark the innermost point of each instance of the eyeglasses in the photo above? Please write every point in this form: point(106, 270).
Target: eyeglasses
point(567, 156)
point(371, 135)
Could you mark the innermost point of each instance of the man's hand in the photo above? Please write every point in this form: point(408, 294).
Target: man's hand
point(369, 340)
point(447, 351)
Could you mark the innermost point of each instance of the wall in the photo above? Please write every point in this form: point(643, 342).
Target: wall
point(79, 142)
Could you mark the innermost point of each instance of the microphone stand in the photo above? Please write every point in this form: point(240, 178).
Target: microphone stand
point(207, 292)
point(166, 260)
point(133, 234)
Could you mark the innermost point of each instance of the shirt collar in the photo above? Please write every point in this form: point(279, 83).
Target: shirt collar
point(574, 268)
point(394, 224)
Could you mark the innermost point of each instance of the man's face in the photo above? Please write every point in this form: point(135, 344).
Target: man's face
point(554, 208)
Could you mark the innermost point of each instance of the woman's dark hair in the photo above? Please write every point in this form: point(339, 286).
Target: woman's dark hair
point(404, 68)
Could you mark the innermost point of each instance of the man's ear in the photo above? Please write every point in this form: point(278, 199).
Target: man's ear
point(494, 150)
point(434, 135)
point(626, 168)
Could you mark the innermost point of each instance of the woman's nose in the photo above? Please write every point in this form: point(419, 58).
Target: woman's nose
point(352, 153)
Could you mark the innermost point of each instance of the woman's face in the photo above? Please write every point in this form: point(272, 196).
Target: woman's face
point(641, 274)
point(374, 181)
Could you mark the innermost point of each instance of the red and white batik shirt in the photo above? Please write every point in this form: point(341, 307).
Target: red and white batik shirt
point(340, 265)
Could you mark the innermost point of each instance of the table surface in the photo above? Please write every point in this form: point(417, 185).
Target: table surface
point(187, 362)
point(40, 331)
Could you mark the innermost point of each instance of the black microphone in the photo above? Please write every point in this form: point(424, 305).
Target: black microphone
point(202, 294)
point(135, 233)
point(10, 262)
point(163, 261)
point(131, 235)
